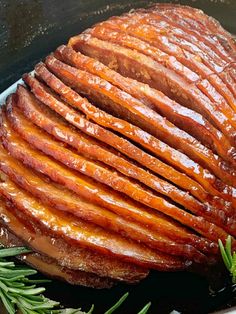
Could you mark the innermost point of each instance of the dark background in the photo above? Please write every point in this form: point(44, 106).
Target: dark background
point(29, 30)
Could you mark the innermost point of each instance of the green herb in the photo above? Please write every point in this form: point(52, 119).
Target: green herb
point(121, 301)
point(145, 309)
point(118, 304)
point(19, 293)
point(228, 257)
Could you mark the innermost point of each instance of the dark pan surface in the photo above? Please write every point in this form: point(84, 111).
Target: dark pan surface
point(31, 29)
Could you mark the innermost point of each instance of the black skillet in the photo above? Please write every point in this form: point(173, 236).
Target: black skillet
point(31, 29)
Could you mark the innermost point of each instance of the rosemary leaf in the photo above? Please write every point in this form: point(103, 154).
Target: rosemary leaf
point(145, 309)
point(7, 303)
point(224, 255)
point(13, 251)
point(118, 304)
point(228, 257)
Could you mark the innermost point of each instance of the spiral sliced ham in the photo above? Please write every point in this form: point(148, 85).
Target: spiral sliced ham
point(182, 117)
point(97, 171)
point(153, 73)
point(152, 144)
point(118, 155)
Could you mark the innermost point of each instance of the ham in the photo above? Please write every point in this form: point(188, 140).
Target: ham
point(136, 213)
point(67, 255)
point(187, 42)
point(86, 234)
point(122, 105)
point(58, 174)
point(182, 117)
point(160, 149)
point(118, 155)
point(199, 23)
point(151, 72)
point(99, 173)
point(214, 87)
point(50, 267)
point(97, 151)
point(191, 168)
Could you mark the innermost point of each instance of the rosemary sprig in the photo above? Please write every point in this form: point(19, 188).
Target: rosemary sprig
point(19, 293)
point(118, 304)
point(229, 257)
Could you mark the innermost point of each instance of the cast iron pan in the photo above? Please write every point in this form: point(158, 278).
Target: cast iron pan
point(31, 29)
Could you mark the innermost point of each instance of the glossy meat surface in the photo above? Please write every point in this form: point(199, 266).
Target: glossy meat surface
point(96, 171)
point(153, 73)
point(49, 266)
point(160, 204)
point(150, 143)
point(118, 155)
point(184, 118)
point(70, 256)
point(122, 105)
point(67, 178)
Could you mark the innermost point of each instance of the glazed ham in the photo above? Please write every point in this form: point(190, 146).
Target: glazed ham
point(118, 155)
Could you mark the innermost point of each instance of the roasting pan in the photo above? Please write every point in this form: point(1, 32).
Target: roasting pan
point(31, 29)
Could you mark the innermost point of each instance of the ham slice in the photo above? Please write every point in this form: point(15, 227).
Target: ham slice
point(190, 46)
point(48, 266)
point(229, 75)
point(194, 61)
point(179, 33)
point(166, 38)
point(160, 149)
point(67, 255)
